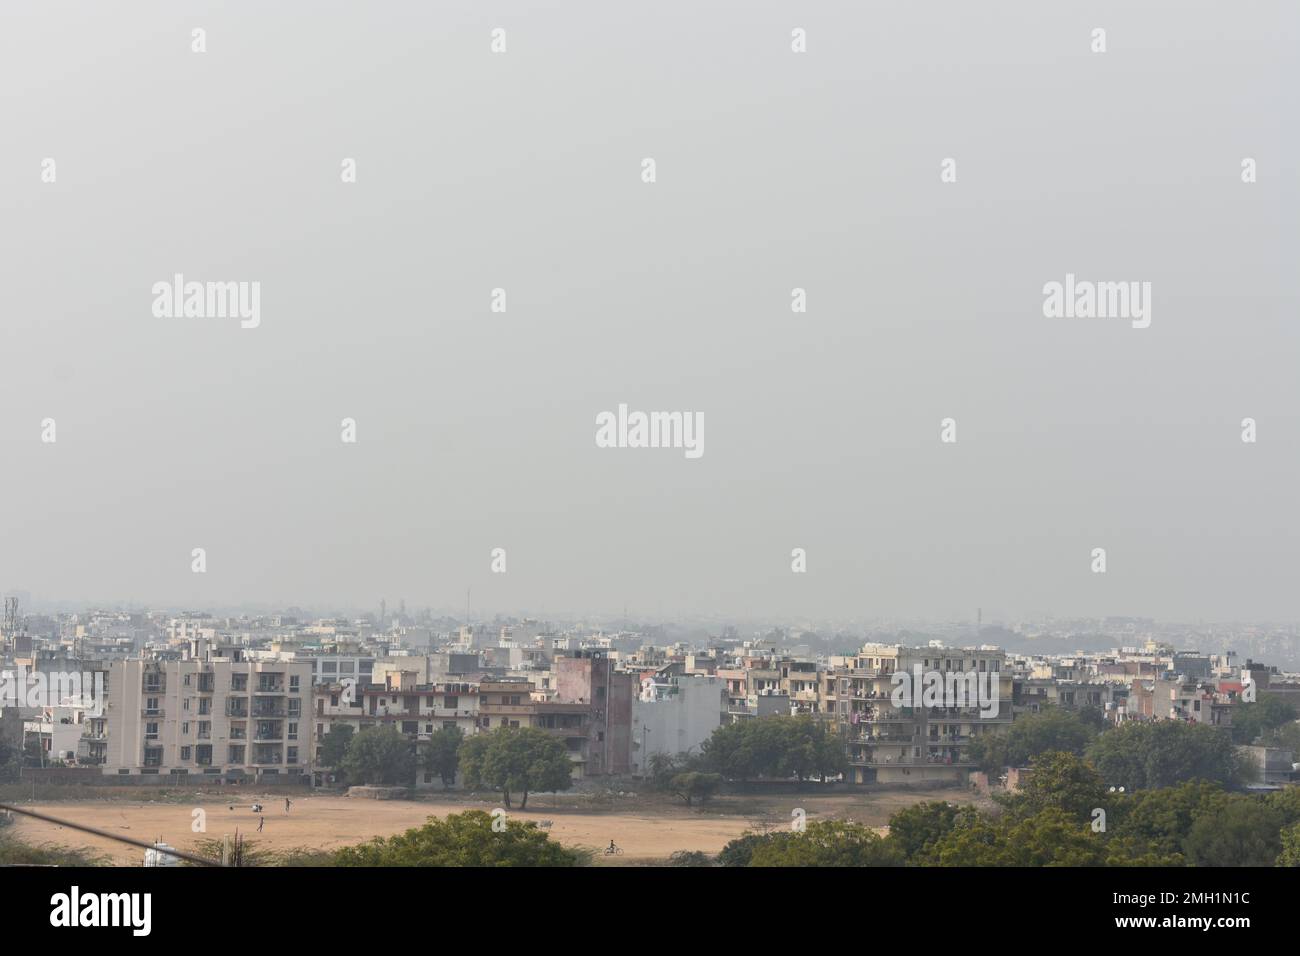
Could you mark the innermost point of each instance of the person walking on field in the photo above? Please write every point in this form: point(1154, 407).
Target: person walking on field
point(261, 822)
point(286, 805)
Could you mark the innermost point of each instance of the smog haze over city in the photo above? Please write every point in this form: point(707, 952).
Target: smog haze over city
point(614, 437)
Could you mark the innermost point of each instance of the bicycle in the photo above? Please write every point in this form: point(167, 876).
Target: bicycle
point(612, 850)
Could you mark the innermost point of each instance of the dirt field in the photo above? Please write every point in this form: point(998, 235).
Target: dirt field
point(648, 832)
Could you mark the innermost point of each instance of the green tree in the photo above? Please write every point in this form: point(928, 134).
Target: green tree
point(660, 770)
point(1050, 837)
point(334, 745)
point(690, 858)
point(1262, 718)
point(10, 761)
point(1290, 838)
point(1059, 781)
point(463, 839)
point(515, 760)
point(1247, 832)
point(441, 754)
point(1286, 802)
point(918, 828)
point(379, 756)
point(1288, 736)
point(740, 851)
point(827, 843)
point(1164, 753)
point(730, 751)
point(1049, 730)
point(694, 785)
point(778, 746)
point(1163, 818)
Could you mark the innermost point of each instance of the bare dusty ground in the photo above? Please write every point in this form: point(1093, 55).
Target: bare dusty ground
point(649, 831)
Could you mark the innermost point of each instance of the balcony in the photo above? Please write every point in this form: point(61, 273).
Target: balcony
point(153, 712)
point(910, 762)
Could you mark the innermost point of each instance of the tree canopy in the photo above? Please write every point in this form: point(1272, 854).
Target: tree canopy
point(513, 760)
point(774, 747)
point(380, 756)
point(463, 839)
point(1163, 753)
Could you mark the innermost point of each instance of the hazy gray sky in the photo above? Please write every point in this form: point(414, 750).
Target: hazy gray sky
point(775, 170)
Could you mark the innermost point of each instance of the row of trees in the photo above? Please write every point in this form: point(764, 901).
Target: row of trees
point(1135, 755)
point(524, 760)
point(774, 748)
point(514, 760)
point(1065, 816)
point(519, 761)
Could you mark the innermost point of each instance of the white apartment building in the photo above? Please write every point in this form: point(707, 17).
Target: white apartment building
point(214, 717)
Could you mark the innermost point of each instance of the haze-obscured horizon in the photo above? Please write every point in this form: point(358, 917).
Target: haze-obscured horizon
point(775, 171)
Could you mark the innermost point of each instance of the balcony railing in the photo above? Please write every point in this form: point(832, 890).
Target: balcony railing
point(911, 762)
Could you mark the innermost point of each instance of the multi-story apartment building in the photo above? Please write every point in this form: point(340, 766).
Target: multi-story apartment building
point(416, 710)
point(801, 684)
point(211, 716)
point(913, 744)
point(1190, 701)
point(589, 678)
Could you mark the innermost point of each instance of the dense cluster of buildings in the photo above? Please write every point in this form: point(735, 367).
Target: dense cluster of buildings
point(251, 699)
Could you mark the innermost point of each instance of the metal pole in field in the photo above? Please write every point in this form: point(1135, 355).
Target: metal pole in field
point(193, 858)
